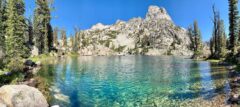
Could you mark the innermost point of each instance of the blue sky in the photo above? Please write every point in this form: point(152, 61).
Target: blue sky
point(85, 13)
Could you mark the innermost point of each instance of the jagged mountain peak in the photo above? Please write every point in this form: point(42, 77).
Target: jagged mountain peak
point(154, 35)
point(155, 12)
point(99, 26)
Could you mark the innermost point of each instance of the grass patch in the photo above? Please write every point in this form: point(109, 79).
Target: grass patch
point(40, 57)
point(213, 60)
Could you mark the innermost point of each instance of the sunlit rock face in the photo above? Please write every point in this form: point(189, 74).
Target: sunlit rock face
point(154, 12)
point(21, 96)
point(156, 34)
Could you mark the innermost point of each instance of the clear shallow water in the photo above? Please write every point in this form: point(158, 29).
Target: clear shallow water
point(129, 81)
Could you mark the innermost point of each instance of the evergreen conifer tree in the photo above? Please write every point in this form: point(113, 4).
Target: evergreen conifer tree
point(198, 38)
point(233, 19)
point(42, 27)
point(55, 37)
point(15, 29)
point(64, 38)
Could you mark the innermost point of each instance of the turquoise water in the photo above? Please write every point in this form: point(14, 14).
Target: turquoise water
point(130, 81)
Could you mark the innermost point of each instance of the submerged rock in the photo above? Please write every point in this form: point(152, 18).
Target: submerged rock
point(62, 97)
point(21, 96)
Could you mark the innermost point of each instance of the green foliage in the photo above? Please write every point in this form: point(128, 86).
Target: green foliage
point(198, 53)
point(233, 19)
point(15, 23)
point(169, 52)
point(18, 77)
point(218, 42)
point(76, 42)
point(113, 34)
point(71, 42)
point(55, 37)
point(15, 65)
point(107, 44)
point(2, 36)
point(40, 57)
point(145, 50)
point(119, 49)
point(85, 42)
point(49, 38)
point(196, 39)
point(42, 27)
point(64, 38)
point(191, 35)
point(11, 78)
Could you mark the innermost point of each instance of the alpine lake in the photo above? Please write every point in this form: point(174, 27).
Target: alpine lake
point(135, 81)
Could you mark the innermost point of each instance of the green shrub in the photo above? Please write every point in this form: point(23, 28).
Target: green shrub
point(113, 34)
point(145, 50)
point(1, 64)
point(15, 65)
point(11, 78)
point(16, 78)
point(107, 44)
point(119, 49)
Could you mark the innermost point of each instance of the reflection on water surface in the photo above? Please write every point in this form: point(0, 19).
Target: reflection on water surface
point(134, 81)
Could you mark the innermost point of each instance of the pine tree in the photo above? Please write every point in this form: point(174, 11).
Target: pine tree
point(218, 39)
point(192, 38)
point(233, 18)
point(212, 45)
point(198, 38)
point(55, 37)
point(76, 41)
point(216, 34)
point(15, 23)
point(1, 26)
point(71, 44)
point(2, 21)
point(42, 26)
point(29, 32)
point(50, 37)
point(222, 41)
point(64, 38)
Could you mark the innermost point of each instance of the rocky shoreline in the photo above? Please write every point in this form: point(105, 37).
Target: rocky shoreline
point(25, 93)
point(36, 85)
point(234, 77)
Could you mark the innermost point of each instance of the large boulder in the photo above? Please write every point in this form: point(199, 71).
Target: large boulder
point(21, 96)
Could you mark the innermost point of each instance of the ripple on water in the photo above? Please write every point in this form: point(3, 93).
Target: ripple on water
point(136, 81)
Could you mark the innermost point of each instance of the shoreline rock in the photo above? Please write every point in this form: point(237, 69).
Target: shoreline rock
point(21, 96)
point(234, 76)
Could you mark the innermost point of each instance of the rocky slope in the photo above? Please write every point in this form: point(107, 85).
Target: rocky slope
point(155, 35)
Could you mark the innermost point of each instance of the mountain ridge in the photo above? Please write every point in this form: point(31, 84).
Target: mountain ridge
point(156, 34)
